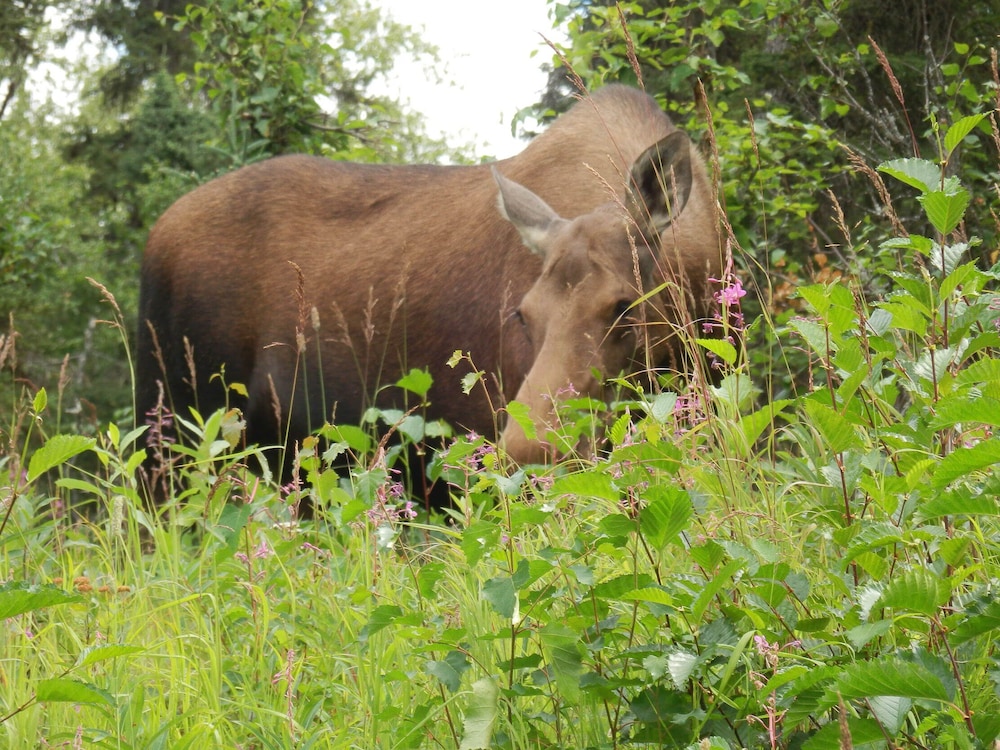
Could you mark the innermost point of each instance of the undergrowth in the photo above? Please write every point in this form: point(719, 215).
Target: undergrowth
point(816, 572)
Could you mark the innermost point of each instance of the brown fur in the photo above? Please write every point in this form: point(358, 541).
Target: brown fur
point(404, 265)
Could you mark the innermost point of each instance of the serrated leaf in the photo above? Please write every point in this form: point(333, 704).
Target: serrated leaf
point(959, 130)
point(838, 434)
point(62, 690)
point(944, 210)
point(921, 174)
point(18, 597)
point(681, 664)
point(891, 676)
point(480, 715)
point(57, 450)
point(975, 625)
point(891, 711)
point(916, 590)
point(964, 461)
point(665, 515)
point(863, 734)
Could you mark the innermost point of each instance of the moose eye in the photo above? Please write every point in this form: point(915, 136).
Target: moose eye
point(621, 309)
point(518, 316)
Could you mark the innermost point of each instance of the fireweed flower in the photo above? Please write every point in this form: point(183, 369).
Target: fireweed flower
point(729, 316)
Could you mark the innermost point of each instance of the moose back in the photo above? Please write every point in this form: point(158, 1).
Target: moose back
point(317, 283)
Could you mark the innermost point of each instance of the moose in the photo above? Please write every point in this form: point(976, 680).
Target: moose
point(318, 283)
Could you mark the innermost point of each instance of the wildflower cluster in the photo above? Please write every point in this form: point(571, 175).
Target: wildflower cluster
point(728, 317)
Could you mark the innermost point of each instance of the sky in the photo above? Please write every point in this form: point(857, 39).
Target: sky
point(487, 50)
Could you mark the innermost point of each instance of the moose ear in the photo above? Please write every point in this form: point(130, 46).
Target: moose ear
point(661, 182)
point(533, 217)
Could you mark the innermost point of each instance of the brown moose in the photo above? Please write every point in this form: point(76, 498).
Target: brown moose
point(533, 266)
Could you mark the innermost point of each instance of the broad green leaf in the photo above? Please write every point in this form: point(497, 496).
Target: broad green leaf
point(416, 381)
point(719, 581)
point(561, 646)
point(501, 594)
point(18, 597)
point(665, 515)
point(839, 434)
point(863, 734)
point(921, 174)
point(720, 348)
point(62, 690)
point(651, 594)
point(382, 617)
point(586, 484)
point(944, 210)
point(450, 670)
point(959, 130)
point(963, 407)
point(57, 450)
point(892, 676)
point(891, 711)
point(480, 715)
point(481, 537)
point(753, 425)
point(975, 625)
point(814, 335)
point(521, 414)
point(916, 590)
point(680, 665)
point(964, 461)
point(428, 576)
point(104, 653)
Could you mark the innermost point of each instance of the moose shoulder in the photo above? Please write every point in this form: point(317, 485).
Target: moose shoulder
point(316, 283)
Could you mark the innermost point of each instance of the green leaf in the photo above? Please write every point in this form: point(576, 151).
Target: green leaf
point(62, 690)
point(480, 715)
point(892, 676)
point(586, 484)
point(680, 665)
point(921, 174)
point(382, 617)
point(40, 401)
point(104, 653)
point(665, 515)
point(450, 670)
point(720, 348)
point(720, 580)
point(416, 381)
point(976, 625)
point(501, 594)
point(916, 590)
point(863, 734)
point(18, 597)
point(959, 130)
point(964, 461)
point(521, 414)
point(944, 210)
point(563, 653)
point(57, 450)
point(839, 434)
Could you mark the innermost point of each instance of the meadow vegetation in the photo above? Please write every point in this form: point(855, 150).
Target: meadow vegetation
point(798, 553)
